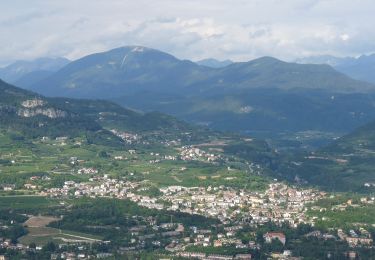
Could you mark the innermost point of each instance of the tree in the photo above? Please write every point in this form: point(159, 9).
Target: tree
point(50, 247)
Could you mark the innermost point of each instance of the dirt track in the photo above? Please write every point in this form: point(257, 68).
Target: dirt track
point(39, 221)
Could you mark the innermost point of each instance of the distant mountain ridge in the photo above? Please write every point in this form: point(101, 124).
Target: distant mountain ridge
point(119, 71)
point(26, 73)
point(264, 94)
point(361, 68)
point(214, 63)
point(135, 68)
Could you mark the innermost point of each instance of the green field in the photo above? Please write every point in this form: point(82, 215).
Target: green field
point(23, 160)
point(335, 212)
point(26, 202)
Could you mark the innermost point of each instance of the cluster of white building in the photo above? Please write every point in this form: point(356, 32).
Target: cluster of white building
point(129, 138)
point(279, 203)
point(104, 187)
point(191, 153)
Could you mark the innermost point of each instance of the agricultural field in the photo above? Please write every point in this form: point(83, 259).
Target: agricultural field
point(26, 202)
point(49, 163)
point(40, 234)
point(344, 210)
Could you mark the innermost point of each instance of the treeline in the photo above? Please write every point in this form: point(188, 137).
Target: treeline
point(11, 223)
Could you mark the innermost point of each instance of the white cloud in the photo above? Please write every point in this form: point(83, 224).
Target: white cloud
point(344, 37)
point(235, 29)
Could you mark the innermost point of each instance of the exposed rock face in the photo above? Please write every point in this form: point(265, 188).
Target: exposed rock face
point(49, 112)
point(35, 107)
point(32, 103)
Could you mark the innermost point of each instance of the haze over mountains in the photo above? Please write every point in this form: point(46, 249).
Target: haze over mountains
point(135, 68)
point(266, 94)
point(361, 68)
point(214, 63)
point(25, 73)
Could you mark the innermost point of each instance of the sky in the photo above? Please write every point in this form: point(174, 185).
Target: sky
point(240, 30)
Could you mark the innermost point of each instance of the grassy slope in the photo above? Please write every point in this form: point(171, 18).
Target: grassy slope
point(345, 165)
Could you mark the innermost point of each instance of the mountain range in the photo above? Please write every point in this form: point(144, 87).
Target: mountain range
point(345, 165)
point(214, 63)
point(25, 73)
point(265, 95)
point(361, 68)
point(134, 69)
